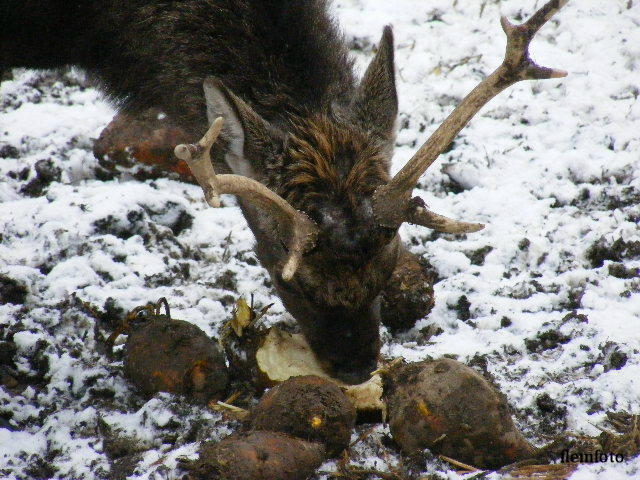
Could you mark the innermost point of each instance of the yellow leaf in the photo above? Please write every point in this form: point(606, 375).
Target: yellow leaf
point(423, 409)
point(316, 422)
point(242, 316)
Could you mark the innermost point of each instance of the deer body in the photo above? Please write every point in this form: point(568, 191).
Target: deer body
point(309, 145)
point(280, 56)
point(303, 132)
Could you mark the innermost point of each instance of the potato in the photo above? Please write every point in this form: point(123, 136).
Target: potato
point(448, 408)
point(257, 456)
point(175, 356)
point(308, 407)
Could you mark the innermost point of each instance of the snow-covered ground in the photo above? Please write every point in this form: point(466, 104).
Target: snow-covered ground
point(546, 298)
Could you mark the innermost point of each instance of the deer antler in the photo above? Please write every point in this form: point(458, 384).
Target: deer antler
point(297, 229)
point(516, 66)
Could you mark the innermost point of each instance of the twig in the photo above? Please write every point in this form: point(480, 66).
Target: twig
point(362, 436)
point(559, 471)
point(354, 473)
point(233, 397)
point(236, 412)
point(456, 463)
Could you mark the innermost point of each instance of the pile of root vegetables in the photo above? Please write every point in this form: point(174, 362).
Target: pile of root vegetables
point(305, 417)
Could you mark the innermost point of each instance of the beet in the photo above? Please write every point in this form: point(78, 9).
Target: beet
point(308, 407)
point(447, 407)
point(166, 355)
point(257, 456)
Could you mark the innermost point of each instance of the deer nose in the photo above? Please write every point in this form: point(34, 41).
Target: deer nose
point(349, 243)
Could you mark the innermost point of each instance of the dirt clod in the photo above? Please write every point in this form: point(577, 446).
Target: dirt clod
point(46, 173)
point(616, 251)
point(554, 414)
point(463, 307)
point(408, 296)
point(619, 270)
point(478, 256)
point(12, 291)
point(546, 340)
point(8, 151)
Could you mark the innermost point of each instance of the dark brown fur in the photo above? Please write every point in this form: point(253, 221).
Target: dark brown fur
point(323, 157)
point(296, 119)
point(281, 56)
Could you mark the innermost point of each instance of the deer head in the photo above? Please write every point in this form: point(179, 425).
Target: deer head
point(320, 201)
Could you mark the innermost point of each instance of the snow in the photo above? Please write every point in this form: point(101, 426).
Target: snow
point(552, 168)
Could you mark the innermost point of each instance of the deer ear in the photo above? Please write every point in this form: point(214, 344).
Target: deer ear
point(375, 105)
point(250, 138)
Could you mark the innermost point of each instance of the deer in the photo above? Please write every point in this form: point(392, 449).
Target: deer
point(284, 125)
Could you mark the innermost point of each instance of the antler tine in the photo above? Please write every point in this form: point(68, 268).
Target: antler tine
point(296, 229)
point(516, 66)
point(415, 211)
point(516, 59)
point(198, 158)
point(440, 223)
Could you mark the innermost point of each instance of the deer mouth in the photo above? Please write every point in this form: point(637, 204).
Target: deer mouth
point(352, 374)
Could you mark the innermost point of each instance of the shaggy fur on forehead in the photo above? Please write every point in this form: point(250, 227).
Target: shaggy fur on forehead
point(325, 158)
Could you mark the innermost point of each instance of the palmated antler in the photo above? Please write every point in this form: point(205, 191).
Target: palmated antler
point(393, 204)
point(297, 230)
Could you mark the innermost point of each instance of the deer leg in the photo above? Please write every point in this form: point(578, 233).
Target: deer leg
point(408, 296)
